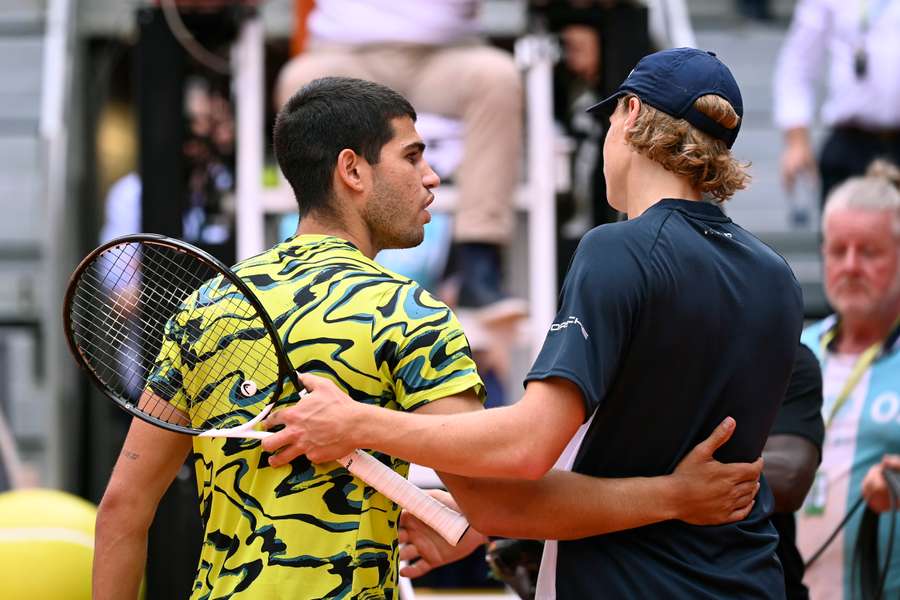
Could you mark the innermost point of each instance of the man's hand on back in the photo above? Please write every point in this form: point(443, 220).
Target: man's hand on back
point(714, 493)
point(320, 425)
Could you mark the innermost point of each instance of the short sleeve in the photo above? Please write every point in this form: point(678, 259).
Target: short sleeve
point(166, 374)
point(600, 301)
point(421, 346)
point(801, 411)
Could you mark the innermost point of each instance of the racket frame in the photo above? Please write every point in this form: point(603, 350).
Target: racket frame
point(127, 405)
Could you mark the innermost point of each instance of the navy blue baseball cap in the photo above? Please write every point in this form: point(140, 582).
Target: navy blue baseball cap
point(672, 80)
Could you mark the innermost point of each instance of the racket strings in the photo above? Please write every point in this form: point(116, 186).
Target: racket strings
point(118, 352)
point(92, 300)
point(172, 299)
point(249, 356)
point(253, 360)
point(135, 294)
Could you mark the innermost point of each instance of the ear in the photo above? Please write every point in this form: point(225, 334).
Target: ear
point(351, 171)
point(632, 110)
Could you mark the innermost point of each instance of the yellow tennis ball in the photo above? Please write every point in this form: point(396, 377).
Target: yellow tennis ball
point(46, 545)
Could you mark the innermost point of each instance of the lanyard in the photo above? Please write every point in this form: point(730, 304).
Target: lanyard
point(863, 363)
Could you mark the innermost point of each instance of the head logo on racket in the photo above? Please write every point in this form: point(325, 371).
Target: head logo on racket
point(248, 389)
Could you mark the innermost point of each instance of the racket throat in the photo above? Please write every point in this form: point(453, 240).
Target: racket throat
point(244, 430)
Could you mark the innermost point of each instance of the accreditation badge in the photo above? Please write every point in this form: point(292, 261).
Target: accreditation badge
point(814, 505)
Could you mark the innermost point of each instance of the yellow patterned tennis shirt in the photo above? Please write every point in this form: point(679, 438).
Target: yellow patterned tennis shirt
point(315, 531)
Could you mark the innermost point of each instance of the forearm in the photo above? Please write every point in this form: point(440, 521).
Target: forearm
point(120, 554)
point(482, 443)
point(148, 462)
point(564, 505)
point(519, 441)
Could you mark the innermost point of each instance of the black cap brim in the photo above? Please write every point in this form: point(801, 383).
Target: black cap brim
point(608, 106)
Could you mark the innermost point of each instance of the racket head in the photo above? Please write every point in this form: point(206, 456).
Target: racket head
point(172, 335)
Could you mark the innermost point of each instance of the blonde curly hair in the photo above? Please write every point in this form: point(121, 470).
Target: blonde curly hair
point(686, 151)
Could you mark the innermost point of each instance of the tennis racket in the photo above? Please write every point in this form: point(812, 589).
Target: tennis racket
point(177, 339)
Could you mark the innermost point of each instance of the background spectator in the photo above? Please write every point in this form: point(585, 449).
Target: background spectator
point(862, 91)
point(431, 53)
point(859, 351)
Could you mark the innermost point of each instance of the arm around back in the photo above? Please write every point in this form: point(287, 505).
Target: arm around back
point(566, 505)
point(519, 441)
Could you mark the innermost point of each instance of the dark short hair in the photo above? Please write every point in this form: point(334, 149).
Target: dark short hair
point(325, 117)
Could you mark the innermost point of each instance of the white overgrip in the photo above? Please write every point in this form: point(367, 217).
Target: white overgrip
point(447, 522)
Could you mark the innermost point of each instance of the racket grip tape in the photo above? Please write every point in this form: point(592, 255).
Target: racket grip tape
point(444, 520)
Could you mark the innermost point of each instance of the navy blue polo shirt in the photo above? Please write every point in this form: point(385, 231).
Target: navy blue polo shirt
point(669, 323)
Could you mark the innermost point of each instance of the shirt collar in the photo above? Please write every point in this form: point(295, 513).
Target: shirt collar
point(700, 209)
point(311, 239)
point(830, 323)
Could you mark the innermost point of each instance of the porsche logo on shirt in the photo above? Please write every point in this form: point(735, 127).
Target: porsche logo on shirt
point(572, 320)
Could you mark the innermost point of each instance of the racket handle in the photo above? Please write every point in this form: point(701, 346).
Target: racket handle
point(447, 522)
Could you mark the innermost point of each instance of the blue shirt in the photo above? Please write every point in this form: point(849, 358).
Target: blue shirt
point(864, 428)
point(669, 323)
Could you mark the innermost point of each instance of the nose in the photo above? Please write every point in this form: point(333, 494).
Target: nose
point(852, 260)
point(430, 179)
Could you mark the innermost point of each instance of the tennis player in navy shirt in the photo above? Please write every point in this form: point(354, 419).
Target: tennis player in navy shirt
point(688, 319)
point(669, 322)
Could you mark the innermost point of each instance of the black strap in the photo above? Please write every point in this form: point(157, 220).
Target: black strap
point(868, 577)
point(837, 530)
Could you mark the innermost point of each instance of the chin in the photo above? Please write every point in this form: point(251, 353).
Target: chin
point(415, 241)
point(854, 307)
point(410, 240)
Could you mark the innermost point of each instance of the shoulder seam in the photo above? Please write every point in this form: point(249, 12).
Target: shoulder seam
point(773, 250)
point(659, 232)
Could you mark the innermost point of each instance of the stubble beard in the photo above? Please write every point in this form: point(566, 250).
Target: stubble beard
point(868, 308)
point(385, 218)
